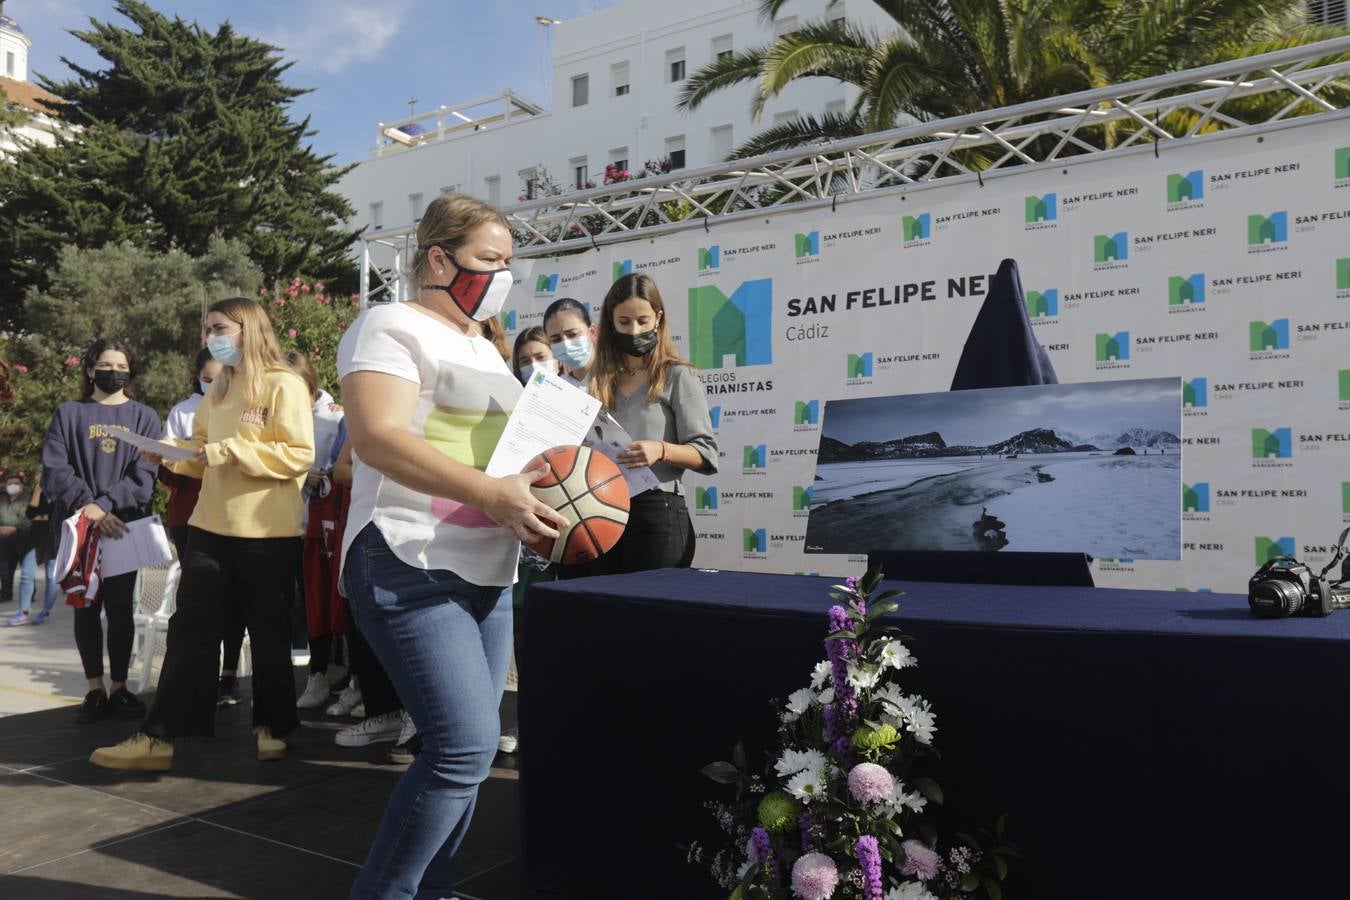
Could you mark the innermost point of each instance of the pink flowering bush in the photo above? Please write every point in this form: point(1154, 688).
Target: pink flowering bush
point(307, 319)
point(853, 747)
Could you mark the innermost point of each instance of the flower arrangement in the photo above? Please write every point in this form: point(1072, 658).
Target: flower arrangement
point(839, 814)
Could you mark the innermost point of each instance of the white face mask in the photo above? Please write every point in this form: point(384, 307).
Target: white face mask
point(14, 490)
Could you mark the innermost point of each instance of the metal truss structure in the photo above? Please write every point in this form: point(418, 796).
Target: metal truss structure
point(1247, 96)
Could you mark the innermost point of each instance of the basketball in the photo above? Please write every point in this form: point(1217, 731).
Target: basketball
point(588, 489)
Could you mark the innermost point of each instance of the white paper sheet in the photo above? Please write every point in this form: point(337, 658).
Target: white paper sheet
point(608, 437)
point(145, 544)
point(550, 413)
point(141, 442)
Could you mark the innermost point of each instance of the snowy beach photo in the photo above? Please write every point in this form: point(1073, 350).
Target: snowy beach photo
point(1090, 468)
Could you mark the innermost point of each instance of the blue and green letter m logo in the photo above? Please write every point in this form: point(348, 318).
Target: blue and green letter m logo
point(1181, 291)
point(754, 540)
point(918, 228)
point(1342, 163)
point(1271, 444)
point(715, 414)
point(1043, 303)
point(739, 326)
point(1113, 346)
point(1271, 229)
point(508, 320)
point(709, 257)
point(1111, 247)
point(801, 497)
point(807, 244)
point(705, 498)
point(546, 284)
point(621, 268)
point(806, 412)
point(1195, 392)
point(1272, 335)
point(860, 366)
point(754, 456)
point(1195, 497)
point(1181, 188)
point(1041, 209)
point(1266, 549)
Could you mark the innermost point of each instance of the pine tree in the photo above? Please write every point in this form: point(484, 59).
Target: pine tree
point(184, 134)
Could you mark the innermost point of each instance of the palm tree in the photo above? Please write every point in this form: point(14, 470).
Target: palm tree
point(953, 57)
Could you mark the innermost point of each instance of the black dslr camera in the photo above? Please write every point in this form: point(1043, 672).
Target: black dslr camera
point(1285, 587)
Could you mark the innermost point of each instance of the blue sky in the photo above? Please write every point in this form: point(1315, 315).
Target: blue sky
point(364, 58)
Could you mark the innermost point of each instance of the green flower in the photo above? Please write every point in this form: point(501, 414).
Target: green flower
point(778, 812)
point(882, 737)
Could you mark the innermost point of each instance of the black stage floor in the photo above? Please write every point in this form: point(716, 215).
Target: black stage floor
point(220, 824)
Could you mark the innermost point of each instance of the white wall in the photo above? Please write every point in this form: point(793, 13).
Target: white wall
point(17, 45)
point(640, 32)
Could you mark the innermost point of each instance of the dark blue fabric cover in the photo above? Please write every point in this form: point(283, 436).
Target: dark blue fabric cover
point(1001, 349)
point(1146, 744)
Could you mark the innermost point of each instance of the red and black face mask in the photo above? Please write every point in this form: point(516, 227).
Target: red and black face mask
point(479, 294)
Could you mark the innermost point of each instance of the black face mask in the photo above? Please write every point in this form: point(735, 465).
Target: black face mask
point(110, 381)
point(636, 344)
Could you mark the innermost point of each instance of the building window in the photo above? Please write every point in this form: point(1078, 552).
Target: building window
point(618, 76)
point(675, 64)
point(720, 143)
point(415, 204)
point(529, 183)
point(1329, 12)
point(492, 186)
point(377, 216)
point(581, 90)
point(580, 172)
point(721, 47)
point(618, 159)
point(449, 189)
point(785, 25)
point(9, 63)
point(675, 151)
point(834, 108)
point(836, 12)
point(785, 117)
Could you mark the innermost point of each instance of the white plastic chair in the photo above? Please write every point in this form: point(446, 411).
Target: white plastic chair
point(156, 594)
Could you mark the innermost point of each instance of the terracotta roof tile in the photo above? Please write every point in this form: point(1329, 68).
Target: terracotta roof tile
point(26, 94)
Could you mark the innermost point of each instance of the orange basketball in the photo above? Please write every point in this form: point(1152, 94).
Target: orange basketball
point(588, 488)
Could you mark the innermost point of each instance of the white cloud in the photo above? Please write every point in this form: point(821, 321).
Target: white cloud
point(331, 36)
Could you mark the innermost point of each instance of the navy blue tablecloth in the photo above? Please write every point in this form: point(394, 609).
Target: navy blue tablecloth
point(1145, 744)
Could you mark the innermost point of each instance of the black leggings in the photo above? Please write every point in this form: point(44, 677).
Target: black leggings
point(231, 615)
point(114, 597)
point(377, 691)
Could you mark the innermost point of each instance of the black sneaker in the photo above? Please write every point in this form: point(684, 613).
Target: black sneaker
point(94, 707)
point(124, 703)
point(228, 694)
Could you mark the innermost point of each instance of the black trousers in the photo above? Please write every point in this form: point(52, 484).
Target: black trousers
point(231, 615)
point(12, 549)
point(377, 690)
point(115, 598)
point(217, 568)
point(660, 535)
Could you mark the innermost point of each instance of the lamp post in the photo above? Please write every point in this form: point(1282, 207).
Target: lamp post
point(547, 23)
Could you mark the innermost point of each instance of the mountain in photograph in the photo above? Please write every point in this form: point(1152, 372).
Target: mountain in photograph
point(1034, 440)
point(1129, 437)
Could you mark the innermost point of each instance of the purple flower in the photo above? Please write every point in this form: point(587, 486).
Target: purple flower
point(851, 582)
point(871, 783)
point(920, 861)
point(869, 859)
point(840, 651)
point(805, 824)
point(759, 844)
point(814, 876)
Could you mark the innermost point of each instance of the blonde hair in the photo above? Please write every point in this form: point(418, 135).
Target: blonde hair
point(447, 223)
point(262, 354)
point(609, 358)
point(305, 369)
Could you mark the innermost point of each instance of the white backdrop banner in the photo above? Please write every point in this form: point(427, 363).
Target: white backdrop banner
point(1225, 263)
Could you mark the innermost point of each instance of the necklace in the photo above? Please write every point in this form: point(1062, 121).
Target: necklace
point(632, 371)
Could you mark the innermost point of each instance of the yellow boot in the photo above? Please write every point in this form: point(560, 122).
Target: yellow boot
point(140, 752)
point(269, 747)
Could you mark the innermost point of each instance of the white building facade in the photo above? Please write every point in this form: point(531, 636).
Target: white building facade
point(616, 77)
point(22, 94)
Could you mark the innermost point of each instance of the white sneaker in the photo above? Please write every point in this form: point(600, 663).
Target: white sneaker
point(348, 700)
point(509, 742)
point(406, 733)
point(359, 711)
point(377, 728)
point(316, 692)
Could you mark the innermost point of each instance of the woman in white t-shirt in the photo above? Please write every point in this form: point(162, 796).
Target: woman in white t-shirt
point(431, 543)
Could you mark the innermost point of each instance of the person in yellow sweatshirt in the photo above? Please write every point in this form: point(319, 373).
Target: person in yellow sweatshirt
point(254, 437)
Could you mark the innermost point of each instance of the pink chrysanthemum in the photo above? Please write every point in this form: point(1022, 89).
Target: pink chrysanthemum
point(920, 861)
point(870, 783)
point(814, 876)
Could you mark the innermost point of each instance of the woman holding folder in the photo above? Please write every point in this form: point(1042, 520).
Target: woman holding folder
point(254, 440)
point(86, 470)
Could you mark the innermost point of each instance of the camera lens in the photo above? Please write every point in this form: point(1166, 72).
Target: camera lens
point(1275, 598)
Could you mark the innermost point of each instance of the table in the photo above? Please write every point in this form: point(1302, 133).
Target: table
point(1146, 744)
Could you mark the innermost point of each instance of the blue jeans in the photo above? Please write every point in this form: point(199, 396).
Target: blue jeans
point(28, 582)
point(446, 644)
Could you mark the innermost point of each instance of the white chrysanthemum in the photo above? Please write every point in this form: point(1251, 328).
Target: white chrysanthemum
point(897, 656)
point(794, 761)
point(910, 890)
point(889, 693)
point(820, 674)
point(861, 679)
point(825, 697)
point(800, 701)
point(922, 723)
point(806, 786)
point(904, 799)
